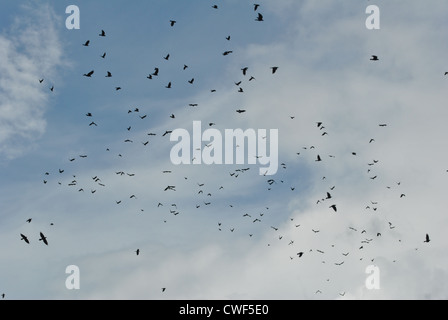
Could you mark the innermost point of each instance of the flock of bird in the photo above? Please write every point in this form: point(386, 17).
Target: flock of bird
point(206, 194)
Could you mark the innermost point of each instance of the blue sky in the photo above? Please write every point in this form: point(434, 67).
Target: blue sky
point(325, 75)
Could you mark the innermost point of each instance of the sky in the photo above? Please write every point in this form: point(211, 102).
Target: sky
point(225, 232)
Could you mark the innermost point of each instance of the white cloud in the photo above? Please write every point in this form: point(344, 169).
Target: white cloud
point(29, 51)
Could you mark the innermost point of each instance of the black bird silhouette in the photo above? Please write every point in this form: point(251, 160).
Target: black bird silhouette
point(137, 251)
point(93, 124)
point(226, 53)
point(191, 81)
point(241, 111)
point(228, 38)
point(215, 6)
point(89, 114)
point(41, 80)
point(52, 89)
point(334, 208)
point(383, 125)
point(167, 57)
point(260, 17)
point(167, 133)
point(104, 55)
point(109, 75)
point(427, 239)
point(274, 70)
point(173, 22)
point(168, 86)
point(374, 58)
point(117, 88)
point(446, 73)
point(149, 77)
point(319, 159)
point(245, 70)
point(89, 75)
point(163, 289)
point(328, 196)
point(102, 34)
point(87, 43)
point(24, 238)
point(29, 220)
point(256, 6)
point(156, 72)
point(43, 238)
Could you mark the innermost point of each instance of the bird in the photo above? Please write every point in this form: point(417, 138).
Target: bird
point(117, 88)
point(102, 34)
point(52, 89)
point(167, 57)
point(168, 86)
point(93, 124)
point(191, 81)
point(228, 38)
point(256, 6)
point(137, 251)
point(215, 6)
point(163, 289)
point(274, 69)
point(339, 264)
point(319, 159)
point(109, 75)
point(226, 53)
point(89, 75)
point(245, 70)
point(260, 17)
point(334, 208)
point(428, 240)
point(104, 55)
point(374, 58)
point(383, 125)
point(300, 254)
point(328, 196)
point(446, 73)
point(173, 22)
point(41, 80)
point(87, 43)
point(43, 238)
point(241, 111)
point(24, 238)
point(29, 220)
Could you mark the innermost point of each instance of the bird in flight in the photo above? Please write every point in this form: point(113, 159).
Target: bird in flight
point(173, 22)
point(87, 43)
point(226, 53)
point(109, 75)
point(428, 240)
point(89, 75)
point(43, 238)
point(24, 238)
point(334, 208)
point(168, 86)
point(274, 69)
point(260, 17)
point(29, 220)
point(241, 111)
point(137, 251)
point(374, 58)
point(256, 6)
point(104, 55)
point(167, 57)
point(102, 34)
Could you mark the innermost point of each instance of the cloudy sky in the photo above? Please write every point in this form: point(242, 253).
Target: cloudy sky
point(200, 241)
